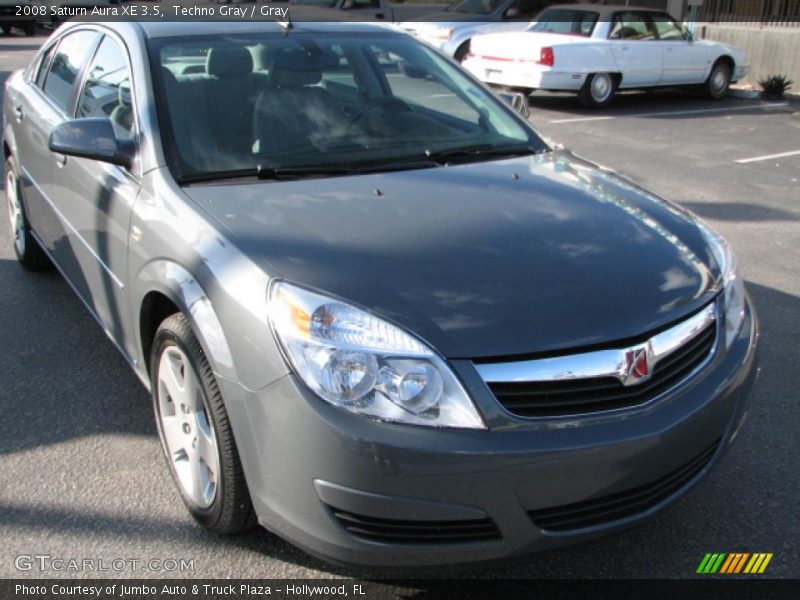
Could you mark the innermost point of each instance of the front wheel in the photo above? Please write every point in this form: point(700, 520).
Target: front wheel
point(29, 29)
point(26, 248)
point(716, 86)
point(598, 90)
point(195, 431)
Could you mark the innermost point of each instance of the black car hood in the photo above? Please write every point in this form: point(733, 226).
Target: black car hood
point(502, 258)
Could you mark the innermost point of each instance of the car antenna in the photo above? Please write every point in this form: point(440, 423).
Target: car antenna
point(287, 24)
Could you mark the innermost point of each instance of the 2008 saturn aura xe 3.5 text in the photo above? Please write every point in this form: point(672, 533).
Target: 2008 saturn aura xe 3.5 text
point(376, 312)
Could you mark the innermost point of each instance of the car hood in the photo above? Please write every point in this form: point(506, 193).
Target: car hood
point(502, 258)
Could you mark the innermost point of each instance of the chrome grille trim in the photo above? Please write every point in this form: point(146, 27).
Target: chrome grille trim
point(599, 363)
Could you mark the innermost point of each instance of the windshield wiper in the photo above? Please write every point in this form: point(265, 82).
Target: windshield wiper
point(309, 171)
point(447, 155)
point(299, 172)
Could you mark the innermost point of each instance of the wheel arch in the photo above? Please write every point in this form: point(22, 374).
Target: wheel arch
point(164, 288)
point(728, 59)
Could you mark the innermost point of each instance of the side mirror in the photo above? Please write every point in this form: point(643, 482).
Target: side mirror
point(517, 101)
point(92, 138)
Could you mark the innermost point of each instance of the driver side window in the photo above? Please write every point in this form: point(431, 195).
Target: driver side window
point(667, 28)
point(107, 89)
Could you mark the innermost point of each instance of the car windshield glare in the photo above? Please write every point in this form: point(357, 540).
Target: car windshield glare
point(250, 103)
point(566, 21)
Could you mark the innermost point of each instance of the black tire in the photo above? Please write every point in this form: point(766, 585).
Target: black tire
point(29, 29)
point(461, 52)
point(27, 250)
point(231, 510)
point(6, 29)
point(598, 90)
point(719, 79)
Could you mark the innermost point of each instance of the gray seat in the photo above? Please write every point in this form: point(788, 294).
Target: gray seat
point(230, 94)
point(294, 112)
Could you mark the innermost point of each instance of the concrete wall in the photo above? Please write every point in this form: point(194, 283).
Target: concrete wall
point(770, 50)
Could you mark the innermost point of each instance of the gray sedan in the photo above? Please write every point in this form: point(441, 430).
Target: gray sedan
point(376, 312)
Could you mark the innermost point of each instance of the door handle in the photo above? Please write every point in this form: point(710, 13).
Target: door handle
point(18, 113)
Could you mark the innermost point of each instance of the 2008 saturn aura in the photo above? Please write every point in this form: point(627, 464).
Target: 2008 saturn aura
point(377, 313)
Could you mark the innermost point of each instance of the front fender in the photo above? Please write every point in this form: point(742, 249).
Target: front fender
point(8, 130)
point(176, 283)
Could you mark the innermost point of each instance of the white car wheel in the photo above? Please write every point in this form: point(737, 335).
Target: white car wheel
point(598, 90)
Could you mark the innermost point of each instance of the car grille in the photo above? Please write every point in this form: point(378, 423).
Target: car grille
point(581, 396)
point(397, 531)
point(624, 504)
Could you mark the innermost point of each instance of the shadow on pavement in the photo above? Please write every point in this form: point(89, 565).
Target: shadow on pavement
point(648, 104)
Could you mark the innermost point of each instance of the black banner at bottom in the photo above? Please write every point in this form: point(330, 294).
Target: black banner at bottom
point(395, 589)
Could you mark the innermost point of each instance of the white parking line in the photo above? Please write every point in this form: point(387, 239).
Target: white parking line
point(743, 161)
point(698, 111)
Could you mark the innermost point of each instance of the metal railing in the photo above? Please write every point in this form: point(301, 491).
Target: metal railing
point(750, 13)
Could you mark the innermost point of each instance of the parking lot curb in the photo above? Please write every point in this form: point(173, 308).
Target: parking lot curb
point(747, 94)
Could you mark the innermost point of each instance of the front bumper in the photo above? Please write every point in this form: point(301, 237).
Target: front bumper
point(308, 463)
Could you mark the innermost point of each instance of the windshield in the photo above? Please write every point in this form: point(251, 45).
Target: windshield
point(268, 103)
point(569, 22)
point(475, 7)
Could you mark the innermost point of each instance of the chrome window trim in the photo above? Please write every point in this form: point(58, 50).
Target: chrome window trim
point(599, 363)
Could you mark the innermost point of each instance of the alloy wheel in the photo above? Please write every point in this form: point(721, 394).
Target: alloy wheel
point(187, 430)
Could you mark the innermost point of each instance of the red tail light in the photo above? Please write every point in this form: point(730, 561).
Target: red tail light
point(546, 57)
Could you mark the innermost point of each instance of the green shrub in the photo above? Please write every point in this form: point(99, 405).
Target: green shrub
point(775, 86)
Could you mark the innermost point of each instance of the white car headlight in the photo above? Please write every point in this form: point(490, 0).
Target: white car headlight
point(734, 297)
point(365, 365)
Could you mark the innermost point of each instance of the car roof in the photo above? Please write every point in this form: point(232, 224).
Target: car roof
point(152, 30)
point(172, 29)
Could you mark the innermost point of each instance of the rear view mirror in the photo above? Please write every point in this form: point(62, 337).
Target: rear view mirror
point(92, 138)
point(517, 101)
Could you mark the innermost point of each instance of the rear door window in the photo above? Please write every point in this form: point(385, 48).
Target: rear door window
point(62, 74)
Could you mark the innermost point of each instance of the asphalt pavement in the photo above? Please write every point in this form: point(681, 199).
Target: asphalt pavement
point(82, 471)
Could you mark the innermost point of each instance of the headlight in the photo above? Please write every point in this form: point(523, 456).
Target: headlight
point(365, 365)
point(734, 297)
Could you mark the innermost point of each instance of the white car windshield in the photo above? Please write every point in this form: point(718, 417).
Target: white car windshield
point(269, 104)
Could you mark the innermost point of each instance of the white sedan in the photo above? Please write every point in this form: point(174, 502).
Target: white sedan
point(596, 50)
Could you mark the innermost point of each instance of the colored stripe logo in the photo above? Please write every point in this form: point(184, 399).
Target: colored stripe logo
point(734, 563)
